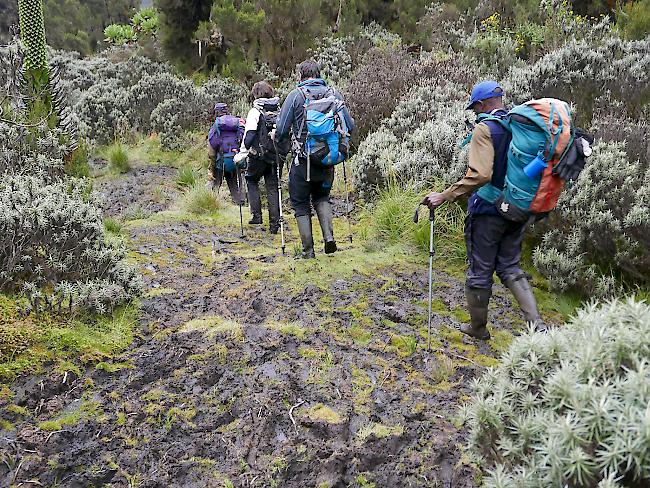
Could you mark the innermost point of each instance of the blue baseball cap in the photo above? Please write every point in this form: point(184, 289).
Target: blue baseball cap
point(483, 91)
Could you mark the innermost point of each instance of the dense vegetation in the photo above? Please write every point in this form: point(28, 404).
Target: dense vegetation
point(118, 86)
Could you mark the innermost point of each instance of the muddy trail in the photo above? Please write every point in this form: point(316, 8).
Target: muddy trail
point(253, 369)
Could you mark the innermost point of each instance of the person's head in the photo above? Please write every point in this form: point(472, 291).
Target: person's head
point(486, 96)
point(262, 89)
point(220, 109)
point(308, 69)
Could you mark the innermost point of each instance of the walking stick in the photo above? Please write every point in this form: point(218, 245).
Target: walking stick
point(432, 251)
point(277, 169)
point(239, 198)
point(432, 214)
point(347, 202)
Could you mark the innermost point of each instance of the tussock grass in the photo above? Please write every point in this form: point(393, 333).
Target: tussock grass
point(118, 158)
point(113, 226)
point(200, 201)
point(187, 177)
point(390, 221)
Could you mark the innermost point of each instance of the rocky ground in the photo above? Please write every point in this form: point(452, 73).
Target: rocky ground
point(253, 369)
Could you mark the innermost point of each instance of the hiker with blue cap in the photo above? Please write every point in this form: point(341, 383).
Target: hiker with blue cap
point(493, 242)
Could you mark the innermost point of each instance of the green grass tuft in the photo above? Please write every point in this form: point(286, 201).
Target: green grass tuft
point(390, 221)
point(113, 226)
point(186, 177)
point(200, 201)
point(118, 158)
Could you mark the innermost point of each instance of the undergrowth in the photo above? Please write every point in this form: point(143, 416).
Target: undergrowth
point(27, 343)
point(390, 220)
point(118, 158)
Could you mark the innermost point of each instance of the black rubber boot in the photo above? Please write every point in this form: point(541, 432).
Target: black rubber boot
point(523, 293)
point(325, 218)
point(304, 228)
point(255, 201)
point(478, 300)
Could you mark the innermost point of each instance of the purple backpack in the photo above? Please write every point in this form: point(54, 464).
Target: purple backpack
point(225, 137)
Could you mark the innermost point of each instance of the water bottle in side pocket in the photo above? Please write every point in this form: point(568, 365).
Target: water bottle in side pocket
point(536, 167)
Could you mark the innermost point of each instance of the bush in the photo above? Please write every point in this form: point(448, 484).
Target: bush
point(200, 200)
point(53, 248)
point(117, 98)
point(634, 19)
point(601, 227)
point(569, 408)
point(418, 143)
point(118, 158)
point(581, 71)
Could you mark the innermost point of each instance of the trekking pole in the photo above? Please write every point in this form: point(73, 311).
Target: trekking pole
point(241, 215)
point(432, 214)
point(277, 169)
point(347, 202)
point(431, 253)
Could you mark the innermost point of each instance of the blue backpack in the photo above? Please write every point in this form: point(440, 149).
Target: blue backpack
point(327, 142)
point(542, 130)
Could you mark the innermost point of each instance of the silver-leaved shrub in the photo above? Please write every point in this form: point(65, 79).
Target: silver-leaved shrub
point(54, 249)
point(115, 97)
point(569, 408)
point(602, 224)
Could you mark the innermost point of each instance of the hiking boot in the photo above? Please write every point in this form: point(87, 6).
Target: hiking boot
point(304, 228)
point(274, 228)
point(255, 220)
point(477, 304)
point(523, 293)
point(325, 218)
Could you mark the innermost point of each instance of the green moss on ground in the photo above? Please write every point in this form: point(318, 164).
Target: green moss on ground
point(27, 343)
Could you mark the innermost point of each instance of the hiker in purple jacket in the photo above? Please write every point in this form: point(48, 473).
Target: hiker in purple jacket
point(223, 142)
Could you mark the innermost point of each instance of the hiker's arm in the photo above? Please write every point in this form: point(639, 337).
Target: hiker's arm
point(286, 117)
point(250, 129)
point(481, 160)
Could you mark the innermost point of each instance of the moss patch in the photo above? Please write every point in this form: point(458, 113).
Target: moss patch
point(66, 340)
point(322, 413)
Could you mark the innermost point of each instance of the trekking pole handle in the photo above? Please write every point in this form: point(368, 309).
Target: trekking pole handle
point(432, 214)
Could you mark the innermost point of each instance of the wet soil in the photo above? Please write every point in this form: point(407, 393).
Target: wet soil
point(288, 378)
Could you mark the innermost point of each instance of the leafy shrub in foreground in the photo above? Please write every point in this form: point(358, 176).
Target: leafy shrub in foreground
point(53, 248)
point(569, 408)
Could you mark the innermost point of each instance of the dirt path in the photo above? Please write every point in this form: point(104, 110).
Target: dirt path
point(255, 370)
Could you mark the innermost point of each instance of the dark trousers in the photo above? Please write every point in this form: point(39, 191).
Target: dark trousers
point(235, 187)
point(304, 193)
point(493, 244)
point(255, 171)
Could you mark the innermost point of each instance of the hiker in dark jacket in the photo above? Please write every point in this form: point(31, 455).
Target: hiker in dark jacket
point(216, 163)
point(315, 190)
point(493, 242)
point(258, 167)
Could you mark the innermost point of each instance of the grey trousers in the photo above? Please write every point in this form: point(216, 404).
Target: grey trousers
point(493, 244)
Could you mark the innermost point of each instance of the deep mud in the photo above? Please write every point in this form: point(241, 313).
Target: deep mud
point(140, 192)
point(293, 378)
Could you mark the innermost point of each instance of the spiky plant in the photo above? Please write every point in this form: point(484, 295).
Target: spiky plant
point(43, 95)
point(36, 72)
point(571, 407)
